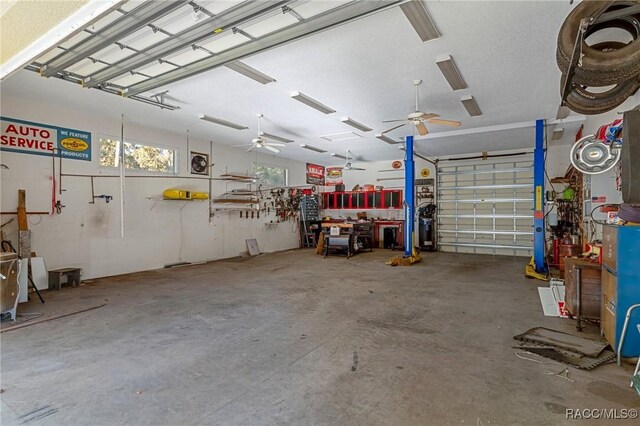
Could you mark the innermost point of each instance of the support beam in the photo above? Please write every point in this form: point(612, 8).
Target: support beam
point(122, 27)
point(219, 24)
point(323, 21)
point(538, 207)
point(409, 197)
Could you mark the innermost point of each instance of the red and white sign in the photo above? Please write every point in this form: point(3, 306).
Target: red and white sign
point(315, 174)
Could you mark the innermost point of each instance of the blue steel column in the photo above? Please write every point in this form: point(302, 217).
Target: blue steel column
point(409, 197)
point(538, 196)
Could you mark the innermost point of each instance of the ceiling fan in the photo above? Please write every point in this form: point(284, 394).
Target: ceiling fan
point(262, 141)
point(348, 165)
point(419, 118)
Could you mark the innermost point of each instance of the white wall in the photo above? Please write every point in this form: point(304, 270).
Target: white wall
point(157, 232)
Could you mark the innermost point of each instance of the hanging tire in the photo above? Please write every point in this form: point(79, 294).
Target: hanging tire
point(600, 67)
point(585, 101)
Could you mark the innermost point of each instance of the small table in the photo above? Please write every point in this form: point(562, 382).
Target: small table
point(72, 274)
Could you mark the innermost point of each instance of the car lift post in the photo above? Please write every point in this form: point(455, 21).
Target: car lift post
point(538, 211)
point(409, 207)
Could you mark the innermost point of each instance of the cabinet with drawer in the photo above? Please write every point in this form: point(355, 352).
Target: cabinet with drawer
point(620, 285)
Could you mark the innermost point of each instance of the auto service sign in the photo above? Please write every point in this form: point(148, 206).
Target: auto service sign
point(315, 174)
point(42, 139)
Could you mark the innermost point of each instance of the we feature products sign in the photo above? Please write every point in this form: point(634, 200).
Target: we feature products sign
point(42, 139)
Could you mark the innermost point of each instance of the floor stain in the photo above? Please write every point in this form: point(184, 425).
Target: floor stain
point(556, 408)
point(614, 393)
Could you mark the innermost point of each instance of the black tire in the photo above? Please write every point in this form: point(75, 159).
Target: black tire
point(600, 67)
point(584, 101)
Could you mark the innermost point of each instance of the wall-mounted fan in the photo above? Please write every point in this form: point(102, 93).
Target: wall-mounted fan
point(262, 141)
point(419, 118)
point(199, 163)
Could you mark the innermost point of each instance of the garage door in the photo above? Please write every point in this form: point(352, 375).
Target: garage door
point(486, 206)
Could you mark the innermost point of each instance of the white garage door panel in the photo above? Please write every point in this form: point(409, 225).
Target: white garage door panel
point(486, 206)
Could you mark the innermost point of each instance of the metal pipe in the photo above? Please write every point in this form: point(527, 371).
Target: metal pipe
point(486, 216)
point(122, 177)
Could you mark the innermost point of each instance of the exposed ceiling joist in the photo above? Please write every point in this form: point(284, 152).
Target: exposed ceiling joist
point(331, 18)
point(219, 24)
point(122, 27)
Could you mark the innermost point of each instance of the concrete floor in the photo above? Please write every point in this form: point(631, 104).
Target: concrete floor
point(291, 338)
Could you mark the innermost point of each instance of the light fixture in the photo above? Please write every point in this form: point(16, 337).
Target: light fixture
point(563, 112)
point(353, 123)
point(470, 105)
point(301, 97)
point(276, 138)
point(557, 133)
point(221, 122)
point(387, 139)
point(417, 14)
point(344, 157)
point(343, 136)
point(250, 72)
point(313, 148)
point(450, 71)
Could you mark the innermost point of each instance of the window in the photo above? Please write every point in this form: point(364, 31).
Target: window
point(137, 156)
point(270, 175)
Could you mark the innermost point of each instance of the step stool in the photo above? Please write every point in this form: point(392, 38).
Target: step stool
point(72, 274)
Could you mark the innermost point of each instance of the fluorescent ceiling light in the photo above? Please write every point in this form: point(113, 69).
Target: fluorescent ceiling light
point(221, 122)
point(417, 14)
point(344, 136)
point(344, 157)
point(470, 105)
point(313, 148)
point(353, 123)
point(301, 97)
point(275, 138)
point(557, 133)
point(250, 72)
point(563, 112)
point(450, 71)
point(387, 139)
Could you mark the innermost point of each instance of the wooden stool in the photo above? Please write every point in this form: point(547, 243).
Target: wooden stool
point(72, 274)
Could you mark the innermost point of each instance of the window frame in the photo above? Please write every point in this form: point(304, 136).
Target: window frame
point(176, 156)
point(284, 168)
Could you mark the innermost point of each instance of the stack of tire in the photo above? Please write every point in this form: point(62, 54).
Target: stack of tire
point(609, 71)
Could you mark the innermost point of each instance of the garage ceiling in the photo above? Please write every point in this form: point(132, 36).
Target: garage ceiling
point(363, 69)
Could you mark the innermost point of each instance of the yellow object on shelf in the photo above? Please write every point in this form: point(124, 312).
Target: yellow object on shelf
point(181, 194)
point(199, 195)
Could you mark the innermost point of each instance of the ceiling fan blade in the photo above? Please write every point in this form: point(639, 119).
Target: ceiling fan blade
point(429, 115)
point(270, 148)
point(240, 146)
point(422, 129)
point(393, 128)
point(252, 148)
point(273, 144)
point(393, 121)
point(451, 123)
